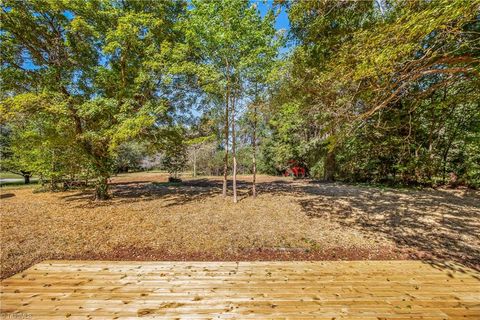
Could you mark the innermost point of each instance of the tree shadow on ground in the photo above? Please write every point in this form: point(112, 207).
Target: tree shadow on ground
point(432, 225)
point(173, 193)
point(6, 195)
point(128, 192)
point(435, 225)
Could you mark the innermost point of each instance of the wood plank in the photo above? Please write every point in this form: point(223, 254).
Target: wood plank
point(246, 290)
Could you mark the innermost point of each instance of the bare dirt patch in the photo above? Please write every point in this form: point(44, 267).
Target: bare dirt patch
point(149, 219)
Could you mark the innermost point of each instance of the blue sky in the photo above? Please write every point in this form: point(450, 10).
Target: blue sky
point(282, 19)
point(281, 23)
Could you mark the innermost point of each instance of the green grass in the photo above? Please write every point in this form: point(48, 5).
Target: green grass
point(15, 184)
point(9, 175)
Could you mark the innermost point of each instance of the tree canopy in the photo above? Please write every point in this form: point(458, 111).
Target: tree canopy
point(85, 77)
point(370, 91)
point(373, 89)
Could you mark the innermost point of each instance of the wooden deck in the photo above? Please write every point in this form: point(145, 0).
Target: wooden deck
point(267, 290)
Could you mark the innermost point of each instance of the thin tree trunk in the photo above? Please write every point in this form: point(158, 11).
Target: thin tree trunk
point(26, 178)
point(444, 170)
point(225, 161)
point(254, 146)
point(52, 173)
point(227, 98)
point(329, 167)
point(194, 162)
point(445, 155)
point(234, 153)
point(102, 175)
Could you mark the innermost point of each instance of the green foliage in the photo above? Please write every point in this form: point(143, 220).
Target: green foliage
point(175, 159)
point(41, 141)
point(80, 79)
point(385, 91)
point(129, 155)
point(230, 40)
point(373, 91)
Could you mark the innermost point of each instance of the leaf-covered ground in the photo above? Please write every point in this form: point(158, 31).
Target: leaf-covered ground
point(149, 219)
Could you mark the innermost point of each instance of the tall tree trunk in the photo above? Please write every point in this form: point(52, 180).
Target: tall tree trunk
point(194, 162)
point(254, 147)
point(444, 167)
point(329, 166)
point(225, 162)
point(445, 155)
point(234, 153)
point(53, 183)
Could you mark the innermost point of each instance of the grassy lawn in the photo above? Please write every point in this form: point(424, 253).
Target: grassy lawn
point(9, 175)
point(149, 219)
point(18, 183)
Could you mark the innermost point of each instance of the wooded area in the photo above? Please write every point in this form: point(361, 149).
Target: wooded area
point(368, 91)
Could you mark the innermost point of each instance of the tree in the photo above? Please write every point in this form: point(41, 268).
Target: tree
point(195, 145)
point(229, 38)
point(174, 160)
point(101, 67)
point(129, 156)
point(373, 85)
point(41, 143)
point(7, 161)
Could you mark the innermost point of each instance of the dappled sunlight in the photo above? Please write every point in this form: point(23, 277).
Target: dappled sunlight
point(440, 225)
point(148, 218)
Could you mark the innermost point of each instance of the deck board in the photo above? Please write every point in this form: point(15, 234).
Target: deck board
point(244, 290)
